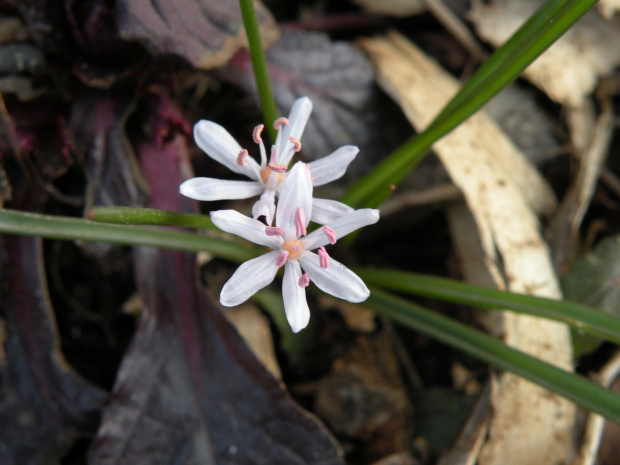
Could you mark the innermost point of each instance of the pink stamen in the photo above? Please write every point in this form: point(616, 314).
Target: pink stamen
point(323, 258)
point(277, 168)
point(296, 144)
point(304, 280)
point(279, 122)
point(241, 157)
point(281, 258)
point(274, 231)
point(331, 234)
point(300, 222)
point(309, 171)
point(257, 132)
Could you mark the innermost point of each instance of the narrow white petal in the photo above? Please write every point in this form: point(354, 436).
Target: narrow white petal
point(218, 189)
point(253, 230)
point(336, 279)
point(295, 304)
point(341, 226)
point(296, 193)
point(217, 142)
point(265, 206)
point(298, 118)
point(333, 166)
point(325, 210)
point(249, 278)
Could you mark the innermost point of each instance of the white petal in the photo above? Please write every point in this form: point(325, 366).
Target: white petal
point(253, 230)
point(295, 304)
point(325, 210)
point(341, 226)
point(218, 189)
point(216, 142)
point(336, 279)
point(298, 118)
point(296, 193)
point(333, 166)
point(265, 206)
point(249, 278)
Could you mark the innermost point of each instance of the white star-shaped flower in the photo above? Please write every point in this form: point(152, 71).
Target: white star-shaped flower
point(291, 248)
point(267, 177)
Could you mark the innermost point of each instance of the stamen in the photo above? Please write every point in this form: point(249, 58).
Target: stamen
point(241, 157)
point(281, 258)
point(279, 122)
point(304, 280)
point(274, 231)
point(277, 168)
point(309, 171)
point(323, 258)
point(296, 144)
point(257, 132)
point(331, 234)
point(300, 222)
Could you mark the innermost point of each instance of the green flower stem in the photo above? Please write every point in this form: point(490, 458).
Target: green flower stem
point(59, 227)
point(580, 317)
point(543, 28)
point(259, 65)
point(149, 216)
point(576, 388)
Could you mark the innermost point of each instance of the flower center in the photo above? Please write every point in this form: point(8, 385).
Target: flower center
point(266, 172)
point(294, 248)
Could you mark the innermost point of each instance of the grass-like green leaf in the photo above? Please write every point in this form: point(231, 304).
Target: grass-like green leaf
point(149, 216)
point(576, 388)
point(60, 227)
point(552, 20)
point(580, 317)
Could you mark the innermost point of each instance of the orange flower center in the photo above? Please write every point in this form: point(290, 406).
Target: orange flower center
point(294, 248)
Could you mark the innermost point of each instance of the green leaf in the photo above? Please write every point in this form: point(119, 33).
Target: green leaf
point(543, 28)
point(578, 316)
point(576, 388)
point(149, 216)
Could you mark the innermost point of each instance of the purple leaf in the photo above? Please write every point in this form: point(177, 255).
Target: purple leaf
point(204, 32)
point(189, 390)
point(44, 405)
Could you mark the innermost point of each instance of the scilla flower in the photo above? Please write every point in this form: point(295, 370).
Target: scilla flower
point(291, 248)
point(267, 177)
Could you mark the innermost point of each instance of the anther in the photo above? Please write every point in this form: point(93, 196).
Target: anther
point(257, 132)
point(304, 280)
point(277, 168)
point(274, 231)
point(281, 258)
point(323, 258)
point(279, 122)
point(331, 234)
point(241, 157)
point(300, 222)
point(296, 144)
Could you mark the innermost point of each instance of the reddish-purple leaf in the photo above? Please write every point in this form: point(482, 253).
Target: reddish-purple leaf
point(189, 390)
point(204, 32)
point(44, 405)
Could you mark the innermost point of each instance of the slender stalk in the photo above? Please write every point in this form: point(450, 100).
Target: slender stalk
point(576, 388)
point(580, 317)
point(149, 216)
point(60, 227)
point(259, 65)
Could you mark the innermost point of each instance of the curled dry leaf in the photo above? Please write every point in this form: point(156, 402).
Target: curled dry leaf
point(502, 191)
point(205, 33)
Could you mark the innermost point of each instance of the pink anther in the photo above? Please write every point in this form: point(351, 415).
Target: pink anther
point(277, 168)
point(282, 258)
point(296, 144)
point(323, 258)
point(257, 132)
point(274, 231)
point(241, 157)
point(304, 280)
point(279, 122)
point(300, 222)
point(331, 234)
